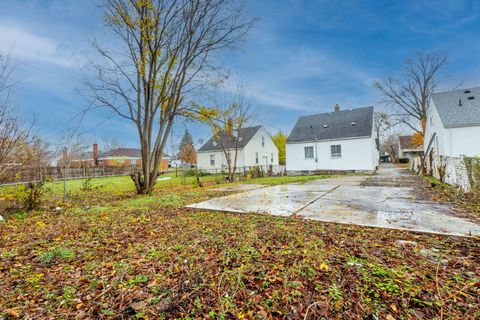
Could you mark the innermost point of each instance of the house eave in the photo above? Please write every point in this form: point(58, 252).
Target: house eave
point(218, 150)
point(326, 140)
point(463, 126)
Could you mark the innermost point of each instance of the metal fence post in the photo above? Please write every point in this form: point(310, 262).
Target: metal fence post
point(65, 175)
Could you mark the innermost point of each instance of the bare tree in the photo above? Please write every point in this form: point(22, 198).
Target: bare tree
point(111, 144)
point(12, 134)
point(382, 125)
point(391, 145)
point(409, 93)
point(77, 151)
point(168, 48)
point(35, 154)
point(227, 125)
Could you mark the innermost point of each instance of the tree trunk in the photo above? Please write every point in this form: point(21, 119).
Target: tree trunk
point(144, 185)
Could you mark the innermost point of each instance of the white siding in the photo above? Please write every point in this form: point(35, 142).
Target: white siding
point(450, 142)
point(434, 125)
point(464, 141)
point(255, 146)
point(357, 154)
point(203, 160)
point(245, 157)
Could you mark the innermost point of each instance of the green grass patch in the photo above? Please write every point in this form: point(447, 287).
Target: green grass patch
point(286, 179)
point(57, 253)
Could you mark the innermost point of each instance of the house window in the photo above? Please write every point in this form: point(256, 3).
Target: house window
point(336, 151)
point(212, 160)
point(308, 152)
point(256, 157)
point(263, 141)
point(271, 157)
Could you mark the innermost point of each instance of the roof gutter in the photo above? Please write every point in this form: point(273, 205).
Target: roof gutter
point(463, 126)
point(326, 140)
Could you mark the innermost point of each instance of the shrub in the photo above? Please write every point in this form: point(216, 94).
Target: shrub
point(196, 173)
point(87, 186)
point(256, 172)
point(32, 194)
point(473, 171)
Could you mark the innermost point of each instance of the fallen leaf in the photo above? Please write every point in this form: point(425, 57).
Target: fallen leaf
point(394, 308)
point(12, 313)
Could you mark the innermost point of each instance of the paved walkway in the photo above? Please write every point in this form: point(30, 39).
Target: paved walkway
point(385, 200)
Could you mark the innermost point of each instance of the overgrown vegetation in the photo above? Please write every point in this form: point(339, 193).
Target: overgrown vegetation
point(472, 164)
point(32, 194)
point(89, 186)
point(467, 202)
point(114, 255)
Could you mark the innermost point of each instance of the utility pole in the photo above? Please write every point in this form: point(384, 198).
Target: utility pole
point(65, 155)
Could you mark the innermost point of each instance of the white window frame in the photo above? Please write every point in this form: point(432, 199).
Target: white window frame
point(263, 141)
point(271, 157)
point(256, 157)
point(307, 156)
point(336, 151)
point(212, 160)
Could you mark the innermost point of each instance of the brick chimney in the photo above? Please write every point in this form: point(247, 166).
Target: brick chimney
point(337, 108)
point(95, 154)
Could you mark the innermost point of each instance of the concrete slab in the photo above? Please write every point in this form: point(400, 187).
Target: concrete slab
point(350, 200)
point(285, 200)
point(240, 187)
point(395, 213)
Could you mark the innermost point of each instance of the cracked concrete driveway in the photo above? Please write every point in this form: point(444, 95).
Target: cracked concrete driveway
point(386, 200)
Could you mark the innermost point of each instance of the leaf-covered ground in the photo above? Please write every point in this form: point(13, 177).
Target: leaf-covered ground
point(467, 204)
point(118, 256)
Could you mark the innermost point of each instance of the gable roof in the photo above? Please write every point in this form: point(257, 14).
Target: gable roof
point(122, 152)
point(453, 115)
point(406, 143)
point(333, 125)
point(125, 152)
point(215, 143)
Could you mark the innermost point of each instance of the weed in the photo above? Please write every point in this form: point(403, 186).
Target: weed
point(58, 253)
point(334, 292)
point(136, 280)
point(88, 186)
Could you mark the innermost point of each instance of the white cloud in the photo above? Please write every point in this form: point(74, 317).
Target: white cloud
point(26, 45)
point(304, 78)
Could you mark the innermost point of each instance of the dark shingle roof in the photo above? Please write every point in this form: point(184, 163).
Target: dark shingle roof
point(125, 152)
point(453, 115)
point(333, 125)
point(213, 144)
point(122, 152)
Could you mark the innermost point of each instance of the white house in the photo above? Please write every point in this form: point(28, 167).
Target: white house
point(453, 124)
point(255, 148)
point(334, 141)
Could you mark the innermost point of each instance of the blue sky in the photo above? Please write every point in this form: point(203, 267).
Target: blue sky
point(302, 57)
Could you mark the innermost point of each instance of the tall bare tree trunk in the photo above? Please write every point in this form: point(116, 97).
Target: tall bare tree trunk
point(167, 48)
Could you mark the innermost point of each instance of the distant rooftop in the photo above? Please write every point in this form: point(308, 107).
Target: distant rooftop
point(125, 152)
point(458, 108)
point(216, 143)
